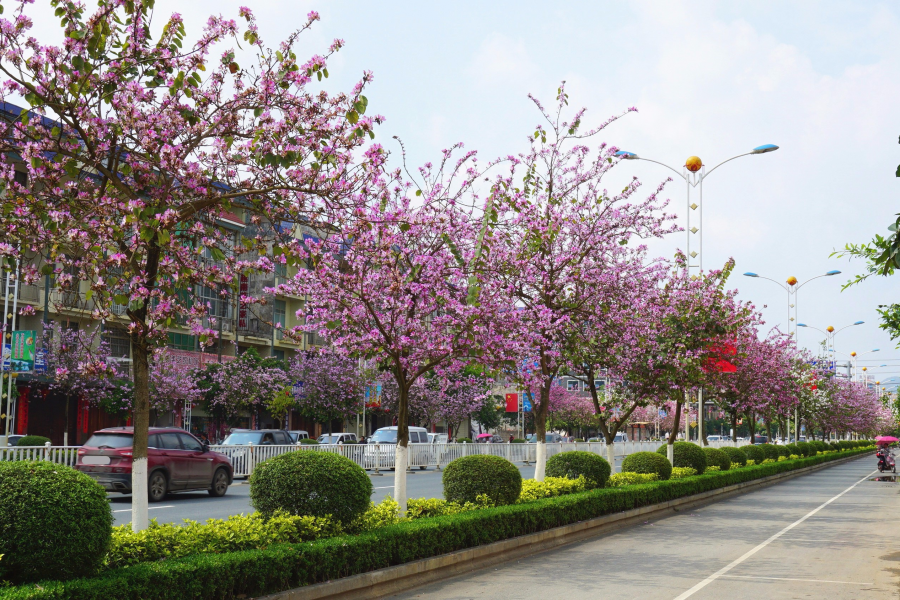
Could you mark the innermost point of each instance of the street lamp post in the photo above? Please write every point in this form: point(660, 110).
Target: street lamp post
point(694, 174)
point(792, 290)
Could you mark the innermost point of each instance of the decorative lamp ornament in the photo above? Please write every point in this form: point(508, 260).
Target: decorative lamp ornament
point(693, 164)
point(865, 369)
point(853, 354)
point(792, 281)
point(829, 329)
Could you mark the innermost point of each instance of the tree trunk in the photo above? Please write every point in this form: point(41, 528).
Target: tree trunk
point(751, 425)
point(768, 431)
point(66, 430)
point(734, 427)
point(139, 493)
point(401, 457)
point(673, 435)
point(540, 427)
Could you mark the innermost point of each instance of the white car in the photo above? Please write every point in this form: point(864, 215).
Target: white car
point(337, 438)
point(437, 438)
point(381, 448)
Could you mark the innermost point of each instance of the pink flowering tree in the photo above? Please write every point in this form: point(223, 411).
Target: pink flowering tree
point(401, 288)
point(560, 242)
point(247, 383)
point(333, 385)
point(138, 145)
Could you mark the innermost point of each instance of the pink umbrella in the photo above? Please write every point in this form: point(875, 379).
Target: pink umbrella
point(886, 439)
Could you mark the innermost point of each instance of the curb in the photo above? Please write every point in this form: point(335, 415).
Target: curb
point(400, 578)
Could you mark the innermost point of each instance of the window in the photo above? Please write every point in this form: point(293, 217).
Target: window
point(181, 341)
point(21, 178)
point(119, 342)
point(573, 385)
point(278, 354)
point(218, 306)
point(169, 441)
point(280, 312)
point(189, 443)
point(280, 272)
point(599, 384)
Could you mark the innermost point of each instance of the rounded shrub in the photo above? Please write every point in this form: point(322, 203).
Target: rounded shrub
point(307, 483)
point(836, 446)
point(55, 523)
point(820, 446)
point(519, 441)
point(33, 440)
point(309, 442)
point(783, 451)
point(648, 463)
point(573, 464)
point(736, 455)
point(793, 449)
point(805, 448)
point(715, 457)
point(468, 477)
point(771, 451)
point(754, 453)
point(463, 440)
point(687, 455)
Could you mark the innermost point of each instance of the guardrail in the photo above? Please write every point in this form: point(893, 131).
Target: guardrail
point(372, 457)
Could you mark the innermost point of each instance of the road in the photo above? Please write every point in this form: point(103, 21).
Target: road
point(831, 534)
point(199, 506)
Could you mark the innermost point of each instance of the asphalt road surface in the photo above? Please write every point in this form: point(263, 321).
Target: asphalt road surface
point(832, 534)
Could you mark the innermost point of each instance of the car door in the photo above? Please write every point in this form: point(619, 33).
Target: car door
point(175, 459)
point(200, 463)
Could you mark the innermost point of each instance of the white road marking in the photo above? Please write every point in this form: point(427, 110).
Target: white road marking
point(753, 551)
point(151, 508)
point(792, 579)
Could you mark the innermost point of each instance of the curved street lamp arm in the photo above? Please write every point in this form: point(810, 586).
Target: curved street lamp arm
point(810, 279)
point(842, 328)
point(663, 164)
point(778, 283)
point(825, 333)
point(705, 175)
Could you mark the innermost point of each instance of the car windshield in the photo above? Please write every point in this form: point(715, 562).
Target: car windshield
point(294, 436)
point(243, 437)
point(328, 439)
point(110, 440)
point(384, 436)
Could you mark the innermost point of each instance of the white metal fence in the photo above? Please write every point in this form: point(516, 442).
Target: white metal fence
point(373, 457)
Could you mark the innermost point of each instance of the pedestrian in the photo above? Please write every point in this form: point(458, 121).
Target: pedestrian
point(511, 438)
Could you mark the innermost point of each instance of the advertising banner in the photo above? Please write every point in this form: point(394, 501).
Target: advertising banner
point(23, 351)
point(512, 403)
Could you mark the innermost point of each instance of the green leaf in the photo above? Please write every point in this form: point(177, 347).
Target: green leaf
point(353, 117)
point(121, 299)
point(898, 170)
point(333, 324)
point(404, 227)
point(88, 295)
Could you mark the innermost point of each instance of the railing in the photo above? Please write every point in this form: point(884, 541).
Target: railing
point(373, 457)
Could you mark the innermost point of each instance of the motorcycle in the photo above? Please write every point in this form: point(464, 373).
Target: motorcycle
point(886, 460)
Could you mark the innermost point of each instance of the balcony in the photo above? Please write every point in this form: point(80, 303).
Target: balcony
point(256, 328)
point(27, 293)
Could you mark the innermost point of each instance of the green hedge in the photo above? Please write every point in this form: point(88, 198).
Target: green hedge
point(806, 449)
point(468, 477)
point(793, 449)
point(282, 567)
point(33, 440)
point(754, 453)
point(715, 457)
point(572, 464)
point(771, 451)
point(686, 454)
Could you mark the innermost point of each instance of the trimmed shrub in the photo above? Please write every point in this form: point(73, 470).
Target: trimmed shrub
point(572, 465)
point(793, 449)
point(736, 455)
point(647, 462)
point(820, 446)
point(468, 477)
point(806, 449)
point(307, 483)
point(687, 455)
point(771, 451)
point(754, 453)
point(715, 457)
point(551, 486)
point(621, 479)
point(463, 440)
point(309, 442)
point(783, 452)
point(682, 472)
point(518, 441)
point(33, 440)
point(55, 523)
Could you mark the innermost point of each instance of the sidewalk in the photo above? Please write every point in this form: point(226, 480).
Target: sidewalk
point(779, 542)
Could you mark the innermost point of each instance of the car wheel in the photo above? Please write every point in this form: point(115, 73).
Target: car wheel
point(157, 486)
point(219, 484)
point(423, 468)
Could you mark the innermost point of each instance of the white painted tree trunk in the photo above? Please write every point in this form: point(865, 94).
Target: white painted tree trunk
point(140, 519)
point(670, 453)
point(611, 455)
point(400, 462)
point(540, 464)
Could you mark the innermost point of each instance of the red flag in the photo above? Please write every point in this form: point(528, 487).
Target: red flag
point(512, 403)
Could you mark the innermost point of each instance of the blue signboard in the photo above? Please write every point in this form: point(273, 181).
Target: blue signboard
point(297, 389)
point(526, 402)
point(40, 361)
point(7, 356)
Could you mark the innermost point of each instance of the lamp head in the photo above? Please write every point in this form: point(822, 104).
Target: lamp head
point(627, 155)
point(802, 325)
point(829, 273)
point(859, 322)
point(875, 350)
point(764, 148)
point(748, 274)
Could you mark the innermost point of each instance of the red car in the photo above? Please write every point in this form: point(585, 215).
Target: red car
point(177, 462)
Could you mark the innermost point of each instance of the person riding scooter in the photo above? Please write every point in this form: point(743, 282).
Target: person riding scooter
point(885, 459)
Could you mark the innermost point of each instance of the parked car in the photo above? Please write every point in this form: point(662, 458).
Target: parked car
point(596, 439)
point(337, 438)
point(488, 438)
point(550, 438)
point(258, 437)
point(620, 438)
point(381, 446)
point(13, 440)
point(298, 435)
point(438, 438)
point(714, 438)
point(760, 439)
point(176, 462)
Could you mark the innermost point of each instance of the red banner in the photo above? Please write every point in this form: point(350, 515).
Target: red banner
point(22, 411)
point(512, 403)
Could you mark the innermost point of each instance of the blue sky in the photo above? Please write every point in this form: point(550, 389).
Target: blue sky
point(820, 79)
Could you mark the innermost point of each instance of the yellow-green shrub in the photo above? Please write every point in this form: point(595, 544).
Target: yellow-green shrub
point(419, 508)
point(386, 512)
point(551, 486)
point(750, 462)
point(620, 479)
point(682, 472)
point(767, 461)
point(736, 465)
point(794, 457)
point(713, 468)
